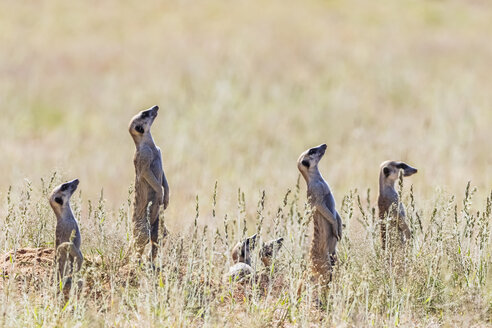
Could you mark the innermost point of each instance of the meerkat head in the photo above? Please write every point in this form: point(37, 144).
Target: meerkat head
point(60, 196)
point(242, 251)
point(391, 169)
point(140, 124)
point(310, 158)
point(269, 249)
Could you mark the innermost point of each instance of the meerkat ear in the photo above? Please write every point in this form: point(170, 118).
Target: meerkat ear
point(251, 239)
point(59, 200)
point(386, 171)
point(305, 163)
point(139, 129)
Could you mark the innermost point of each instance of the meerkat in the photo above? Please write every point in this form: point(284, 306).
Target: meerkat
point(241, 256)
point(269, 249)
point(68, 239)
point(388, 203)
point(241, 252)
point(327, 221)
point(151, 187)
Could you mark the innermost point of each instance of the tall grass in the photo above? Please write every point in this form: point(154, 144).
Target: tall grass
point(244, 87)
point(442, 276)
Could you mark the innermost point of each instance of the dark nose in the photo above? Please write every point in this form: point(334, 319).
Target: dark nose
point(155, 108)
point(76, 182)
point(324, 146)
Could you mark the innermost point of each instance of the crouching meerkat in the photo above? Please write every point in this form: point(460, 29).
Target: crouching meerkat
point(151, 188)
point(241, 252)
point(269, 249)
point(241, 256)
point(327, 221)
point(67, 232)
point(388, 203)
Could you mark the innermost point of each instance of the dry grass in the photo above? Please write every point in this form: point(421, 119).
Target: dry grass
point(244, 88)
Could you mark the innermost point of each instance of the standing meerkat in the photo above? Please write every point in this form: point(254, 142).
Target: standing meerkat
point(151, 188)
point(67, 232)
point(327, 221)
point(388, 203)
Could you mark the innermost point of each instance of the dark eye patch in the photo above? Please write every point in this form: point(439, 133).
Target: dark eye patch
point(64, 187)
point(305, 163)
point(386, 171)
point(402, 166)
point(144, 115)
point(312, 151)
point(139, 129)
point(59, 200)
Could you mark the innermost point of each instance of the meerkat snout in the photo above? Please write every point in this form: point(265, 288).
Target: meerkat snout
point(408, 170)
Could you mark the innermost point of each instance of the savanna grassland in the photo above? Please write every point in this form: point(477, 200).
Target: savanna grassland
point(243, 88)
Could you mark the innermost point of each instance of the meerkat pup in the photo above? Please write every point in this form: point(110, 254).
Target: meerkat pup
point(269, 249)
point(327, 221)
point(67, 232)
point(388, 202)
point(151, 188)
point(241, 256)
point(241, 252)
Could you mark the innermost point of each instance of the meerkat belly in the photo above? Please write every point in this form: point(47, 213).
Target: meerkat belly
point(323, 230)
point(64, 229)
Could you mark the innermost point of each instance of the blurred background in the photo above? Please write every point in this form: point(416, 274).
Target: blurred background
point(244, 87)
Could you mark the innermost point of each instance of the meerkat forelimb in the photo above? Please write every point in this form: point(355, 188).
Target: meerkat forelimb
point(151, 186)
point(68, 239)
point(327, 221)
point(389, 203)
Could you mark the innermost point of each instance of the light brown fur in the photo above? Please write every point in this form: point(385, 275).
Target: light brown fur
point(151, 187)
point(327, 221)
point(388, 203)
